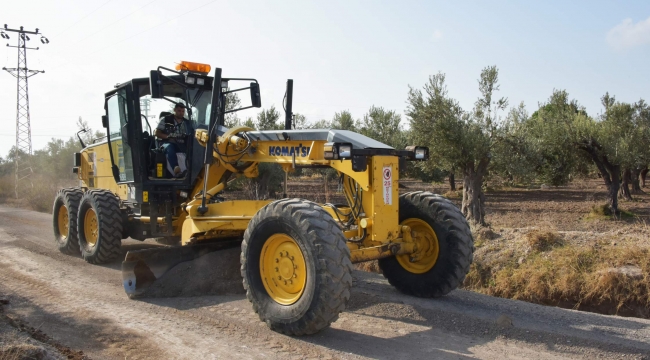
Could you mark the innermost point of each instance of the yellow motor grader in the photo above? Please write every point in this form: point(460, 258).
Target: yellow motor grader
point(296, 255)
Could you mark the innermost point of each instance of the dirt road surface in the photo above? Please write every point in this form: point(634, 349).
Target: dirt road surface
point(84, 307)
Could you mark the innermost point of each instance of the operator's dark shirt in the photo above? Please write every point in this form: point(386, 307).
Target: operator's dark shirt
point(169, 125)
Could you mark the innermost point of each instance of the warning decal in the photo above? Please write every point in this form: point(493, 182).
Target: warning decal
point(388, 185)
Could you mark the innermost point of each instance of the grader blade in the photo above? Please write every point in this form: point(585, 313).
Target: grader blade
point(142, 268)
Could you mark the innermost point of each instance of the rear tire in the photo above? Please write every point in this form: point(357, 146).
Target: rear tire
point(296, 234)
point(64, 214)
point(100, 227)
point(455, 247)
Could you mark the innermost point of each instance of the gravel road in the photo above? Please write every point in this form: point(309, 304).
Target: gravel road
point(84, 307)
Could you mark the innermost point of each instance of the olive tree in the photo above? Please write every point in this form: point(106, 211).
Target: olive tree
point(641, 120)
point(458, 139)
point(612, 141)
point(515, 157)
point(552, 139)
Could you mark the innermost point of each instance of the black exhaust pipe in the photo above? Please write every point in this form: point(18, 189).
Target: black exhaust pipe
point(288, 120)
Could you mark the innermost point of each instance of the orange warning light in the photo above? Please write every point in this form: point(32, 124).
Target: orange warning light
point(193, 67)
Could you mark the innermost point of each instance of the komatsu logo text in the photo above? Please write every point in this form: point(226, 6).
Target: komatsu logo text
point(298, 151)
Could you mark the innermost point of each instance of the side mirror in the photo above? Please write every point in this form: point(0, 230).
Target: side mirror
point(105, 121)
point(155, 85)
point(256, 98)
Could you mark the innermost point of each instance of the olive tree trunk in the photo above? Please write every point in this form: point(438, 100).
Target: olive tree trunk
point(473, 206)
point(609, 172)
point(636, 183)
point(644, 173)
point(614, 186)
point(625, 185)
point(452, 181)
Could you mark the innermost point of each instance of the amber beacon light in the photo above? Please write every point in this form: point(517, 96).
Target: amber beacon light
point(193, 67)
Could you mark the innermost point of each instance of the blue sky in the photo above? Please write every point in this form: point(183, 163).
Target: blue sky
point(341, 54)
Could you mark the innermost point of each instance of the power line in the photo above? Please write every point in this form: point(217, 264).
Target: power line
point(114, 22)
point(138, 34)
point(82, 18)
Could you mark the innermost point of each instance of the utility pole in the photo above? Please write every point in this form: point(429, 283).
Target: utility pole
point(23, 127)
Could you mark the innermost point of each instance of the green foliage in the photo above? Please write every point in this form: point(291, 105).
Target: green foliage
point(343, 121)
point(269, 120)
point(514, 159)
point(552, 134)
point(436, 122)
point(232, 102)
point(383, 126)
point(249, 123)
point(321, 124)
point(300, 121)
point(623, 132)
point(458, 139)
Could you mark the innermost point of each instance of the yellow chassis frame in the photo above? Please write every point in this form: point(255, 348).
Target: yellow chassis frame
point(384, 236)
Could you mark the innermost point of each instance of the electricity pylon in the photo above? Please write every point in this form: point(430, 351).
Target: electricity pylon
point(23, 148)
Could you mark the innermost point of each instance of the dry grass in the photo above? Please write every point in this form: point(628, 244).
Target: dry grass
point(6, 187)
point(543, 240)
point(40, 197)
point(594, 278)
point(23, 351)
point(453, 194)
point(369, 266)
point(604, 212)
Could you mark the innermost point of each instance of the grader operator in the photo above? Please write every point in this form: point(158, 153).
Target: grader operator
point(296, 255)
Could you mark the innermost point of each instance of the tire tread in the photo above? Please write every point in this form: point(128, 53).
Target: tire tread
point(458, 258)
point(332, 262)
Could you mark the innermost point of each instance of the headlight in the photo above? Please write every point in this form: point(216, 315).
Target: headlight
point(345, 151)
point(335, 151)
point(418, 152)
point(190, 80)
point(200, 81)
point(330, 151)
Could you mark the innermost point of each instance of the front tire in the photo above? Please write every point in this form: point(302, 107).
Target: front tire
point(64, 214)
point(100, 227)
point(296, 267)
point(445, 240)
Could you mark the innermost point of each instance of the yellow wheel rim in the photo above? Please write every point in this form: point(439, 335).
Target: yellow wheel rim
point(62, 221)
point(91, 228)
point(283, 269)
point(428, 248)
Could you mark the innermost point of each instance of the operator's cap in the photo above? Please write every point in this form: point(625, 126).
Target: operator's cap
point(179, 105)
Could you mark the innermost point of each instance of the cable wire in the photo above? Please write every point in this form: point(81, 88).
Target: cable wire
point(82, 18)
point(114, 22)
point(67, 62)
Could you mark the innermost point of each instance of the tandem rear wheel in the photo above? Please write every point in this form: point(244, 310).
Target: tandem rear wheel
point(64, 214)
point(99, 227)
point(296, 267)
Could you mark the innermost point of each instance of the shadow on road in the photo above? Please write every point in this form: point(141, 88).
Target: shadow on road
point(380, 323)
